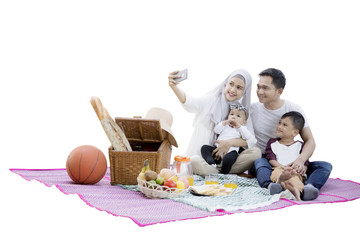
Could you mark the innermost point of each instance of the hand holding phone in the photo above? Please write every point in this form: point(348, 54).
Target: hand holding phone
point(182, 75)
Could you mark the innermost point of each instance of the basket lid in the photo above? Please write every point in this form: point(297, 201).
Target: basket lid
point(139, 129)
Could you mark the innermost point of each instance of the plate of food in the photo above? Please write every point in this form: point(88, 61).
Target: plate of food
point(198, 194)
point(210, 190)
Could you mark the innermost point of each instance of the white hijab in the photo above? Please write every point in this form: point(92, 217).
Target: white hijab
point(221, 106)
point(211, 109)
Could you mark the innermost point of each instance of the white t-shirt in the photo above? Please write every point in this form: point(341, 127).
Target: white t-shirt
point(264, 121)
point(203, 130)
point(286, 154)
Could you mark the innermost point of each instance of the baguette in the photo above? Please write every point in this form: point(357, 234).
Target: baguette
point(98, 107)
point(114, 133)
point(119, 132)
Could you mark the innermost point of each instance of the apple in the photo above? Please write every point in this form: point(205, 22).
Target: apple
point(160, 180)
point(170, 184)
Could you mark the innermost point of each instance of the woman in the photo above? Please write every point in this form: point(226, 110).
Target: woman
point(212, 108)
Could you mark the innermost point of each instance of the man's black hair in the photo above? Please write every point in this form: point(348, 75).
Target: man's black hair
point(278, 78)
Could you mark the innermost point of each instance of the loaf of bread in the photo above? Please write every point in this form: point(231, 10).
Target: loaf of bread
point(114, 133)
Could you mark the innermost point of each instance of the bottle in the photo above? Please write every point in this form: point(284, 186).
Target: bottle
point(182, 167)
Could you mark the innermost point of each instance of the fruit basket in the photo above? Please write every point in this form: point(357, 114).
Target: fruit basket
point(151, 190)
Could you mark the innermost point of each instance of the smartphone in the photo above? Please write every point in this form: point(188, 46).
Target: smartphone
point(183, 74)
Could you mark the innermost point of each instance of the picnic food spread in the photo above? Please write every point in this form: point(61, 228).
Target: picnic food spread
point(169, 184)
point(135, 139)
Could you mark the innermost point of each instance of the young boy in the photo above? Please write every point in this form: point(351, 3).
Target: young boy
point(284, 150)
point(233, 127)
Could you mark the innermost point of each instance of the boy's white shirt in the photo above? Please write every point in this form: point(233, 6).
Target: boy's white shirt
point(265, 121)
point(286, 154)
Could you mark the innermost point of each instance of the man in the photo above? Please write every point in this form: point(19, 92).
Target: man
point(265, 115)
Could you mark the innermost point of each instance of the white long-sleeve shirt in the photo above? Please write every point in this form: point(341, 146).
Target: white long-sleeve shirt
point(226, 132)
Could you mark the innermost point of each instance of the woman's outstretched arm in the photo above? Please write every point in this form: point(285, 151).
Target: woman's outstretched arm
point(174, 86)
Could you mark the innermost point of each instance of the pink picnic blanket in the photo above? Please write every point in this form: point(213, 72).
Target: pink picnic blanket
point(144, 211)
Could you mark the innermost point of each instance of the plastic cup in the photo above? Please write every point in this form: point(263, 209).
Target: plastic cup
point(191, 180)
point(230, 181)
point(211, 179)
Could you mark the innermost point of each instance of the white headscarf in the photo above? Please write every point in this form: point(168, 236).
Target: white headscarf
point(211, 109)
point(220, 109)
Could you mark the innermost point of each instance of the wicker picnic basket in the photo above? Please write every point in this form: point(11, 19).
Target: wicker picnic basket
point(148, 141)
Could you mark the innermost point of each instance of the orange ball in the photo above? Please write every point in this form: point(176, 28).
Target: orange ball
point(86, 165)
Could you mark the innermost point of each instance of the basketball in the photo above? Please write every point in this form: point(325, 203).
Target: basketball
point(86, 165)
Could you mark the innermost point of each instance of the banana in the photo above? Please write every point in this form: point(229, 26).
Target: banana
point(145, 168)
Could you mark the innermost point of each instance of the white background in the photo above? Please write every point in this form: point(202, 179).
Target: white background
point(55, 55)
